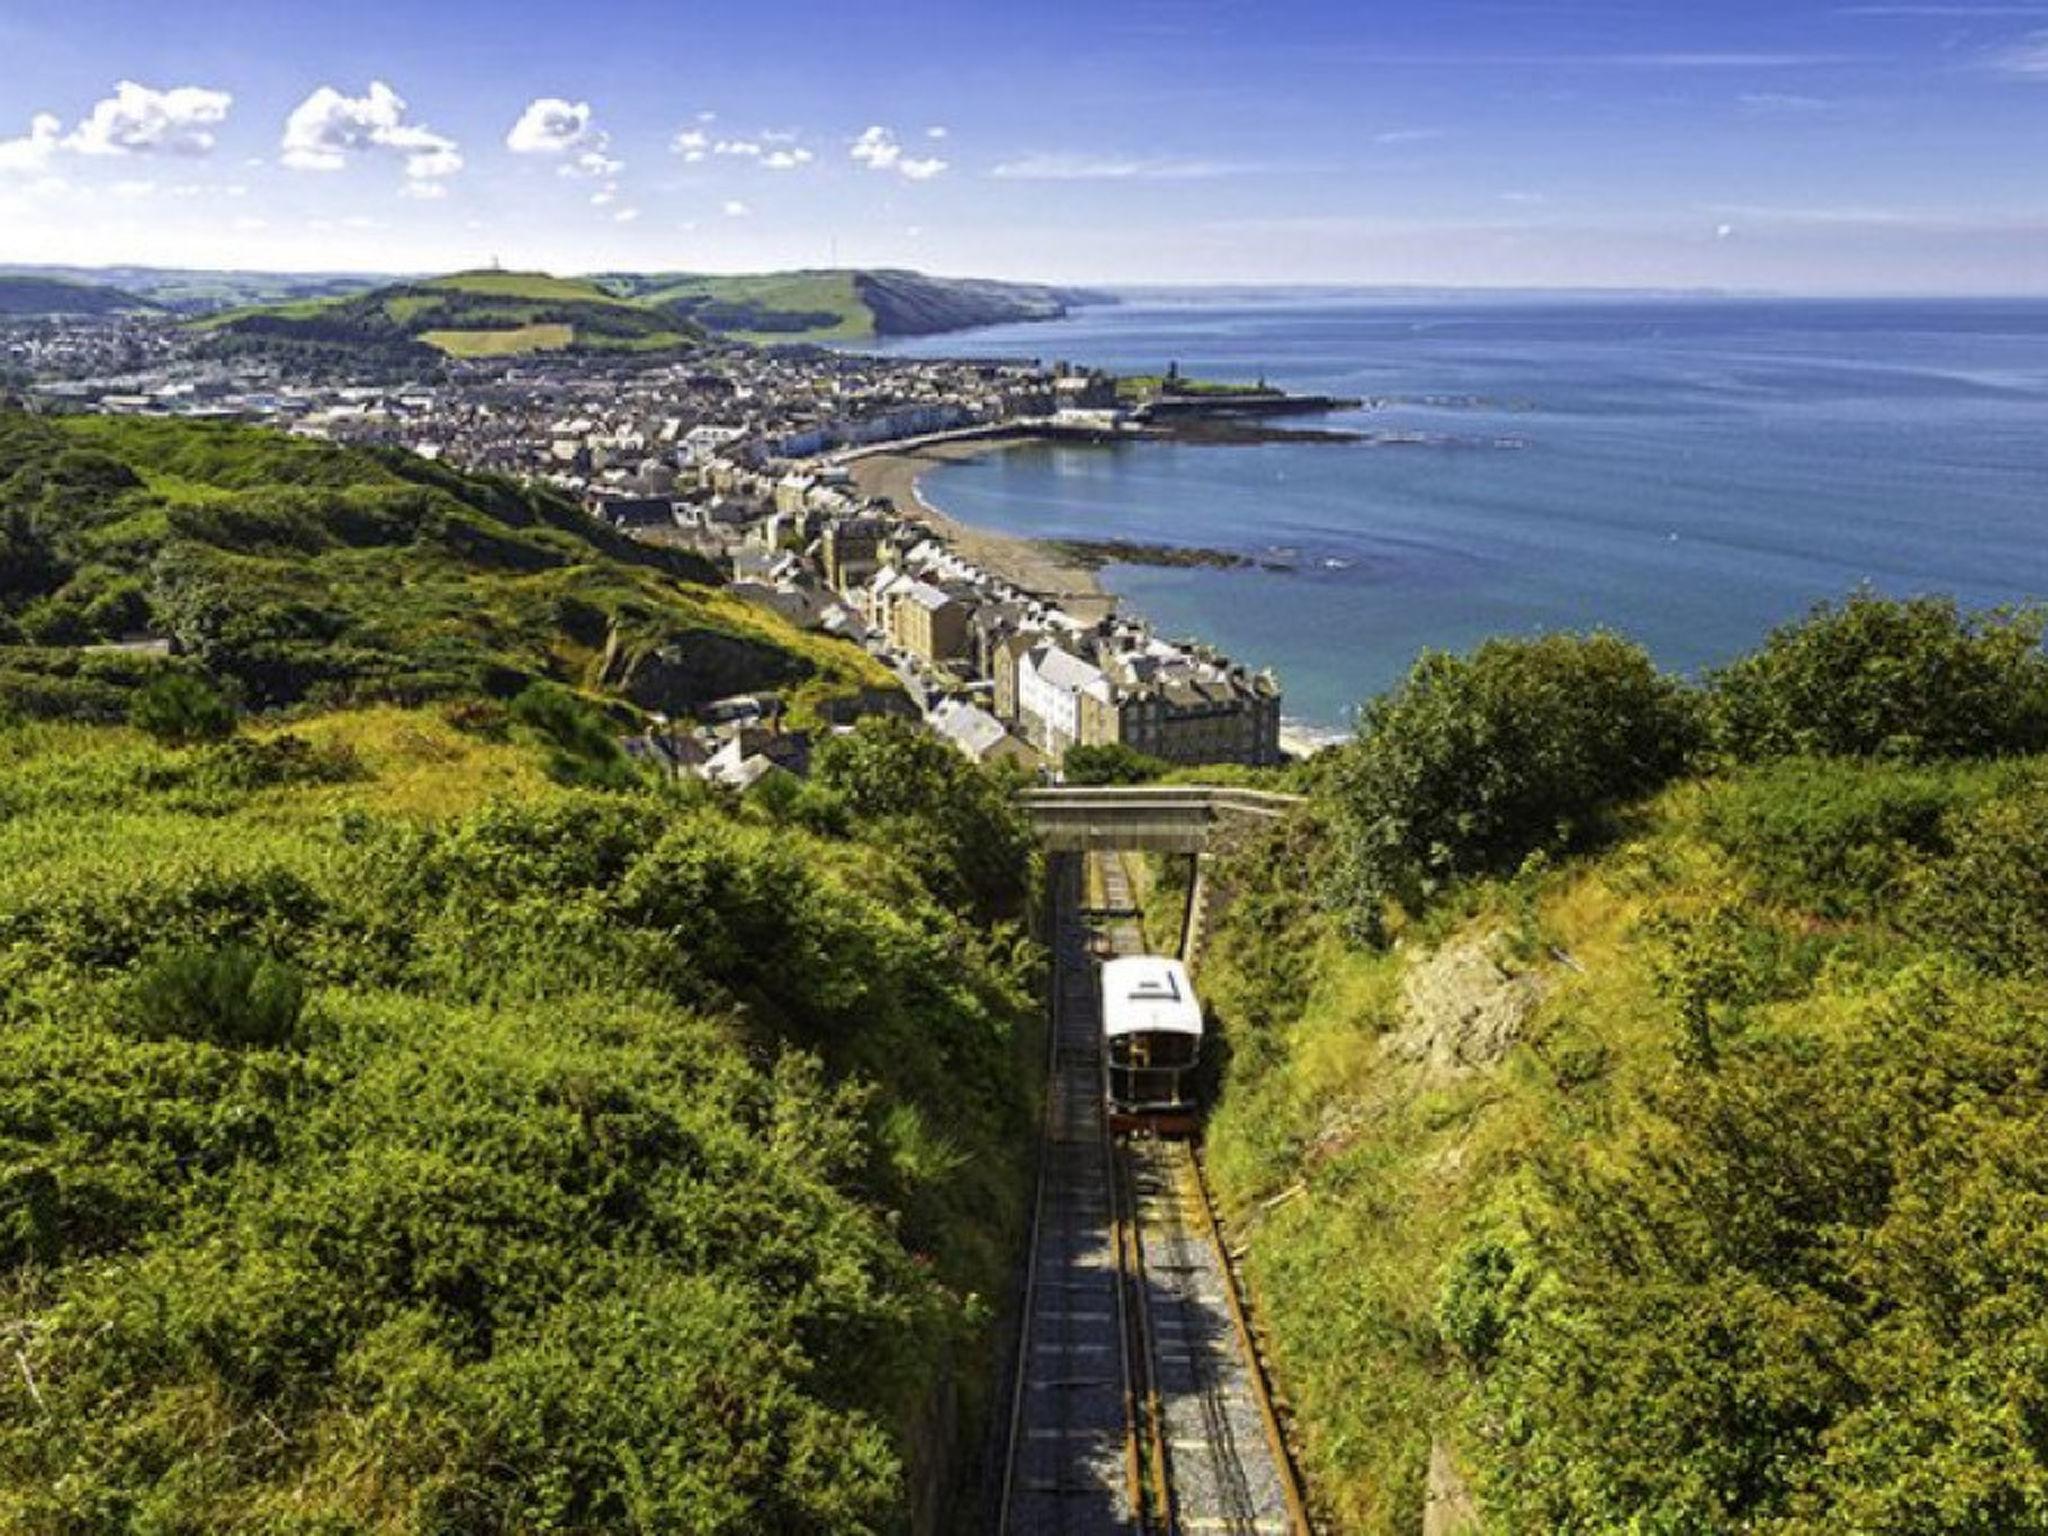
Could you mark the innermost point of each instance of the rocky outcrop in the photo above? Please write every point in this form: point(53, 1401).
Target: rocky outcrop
point(688, 668)
point(1462, 1007)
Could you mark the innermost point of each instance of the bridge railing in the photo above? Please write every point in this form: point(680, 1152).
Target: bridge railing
point(1161, 817)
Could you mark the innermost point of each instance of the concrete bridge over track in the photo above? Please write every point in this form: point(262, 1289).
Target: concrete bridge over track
point(1149, 818)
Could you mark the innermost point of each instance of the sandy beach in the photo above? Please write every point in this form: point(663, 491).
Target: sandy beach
point(1024, 563)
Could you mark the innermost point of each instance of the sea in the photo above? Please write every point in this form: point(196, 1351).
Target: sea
point(1686, 471)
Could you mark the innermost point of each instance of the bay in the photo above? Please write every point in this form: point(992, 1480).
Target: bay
point(1687, 471)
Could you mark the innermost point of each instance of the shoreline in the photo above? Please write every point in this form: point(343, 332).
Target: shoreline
point(1041, 567)
point(1032, 565)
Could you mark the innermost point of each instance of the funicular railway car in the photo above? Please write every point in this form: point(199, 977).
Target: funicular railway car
point(1152, 1042)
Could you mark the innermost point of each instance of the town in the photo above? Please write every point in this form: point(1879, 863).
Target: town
point(748, 457)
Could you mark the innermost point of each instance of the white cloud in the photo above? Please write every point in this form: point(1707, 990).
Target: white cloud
point(550, 126)
point(693, 144)
point(880, 150)
point(787, 159)
point(327, 127)
point(565, 130)
point(625, 215)
point(594, 164)
point(424, 191)
point(877, 149)
point(736, 210)
point(1407, 135)
point(744, 149)
point(2026, 60)
point(1055, 167)
point(33, 150)
point(936, 132)
point(139, 120)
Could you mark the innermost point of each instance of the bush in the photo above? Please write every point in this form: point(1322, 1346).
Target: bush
point(1475, 762)
point(1837, 839)
point(1915, 679)
point(1110, 763)
point(230, 996)
point(179, 709)
point(1989, 899)
point(956, 824)
point(582, 747)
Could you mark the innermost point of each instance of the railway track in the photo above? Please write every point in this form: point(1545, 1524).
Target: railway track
point(1138, 1405)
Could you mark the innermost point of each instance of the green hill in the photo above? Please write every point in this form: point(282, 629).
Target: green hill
point(297, 572)
point(392, 1139)
point(843, 305)
point(1634, 1114)
point(25, 294)
point(413, 1116)
point(191, 291)
point(469, 314)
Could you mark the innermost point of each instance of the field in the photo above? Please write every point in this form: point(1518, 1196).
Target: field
point(525, 338)
point(468, 314)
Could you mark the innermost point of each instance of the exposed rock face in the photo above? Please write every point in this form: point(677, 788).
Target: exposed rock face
point(693, 667)
point(912, 304)
point(1464, 1009)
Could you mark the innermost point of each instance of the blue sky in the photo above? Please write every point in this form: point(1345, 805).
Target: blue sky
point(1845, 146)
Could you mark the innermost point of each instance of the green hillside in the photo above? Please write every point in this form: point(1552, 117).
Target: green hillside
point(189, 291)
point(297, 572)
point(24, 294)
point(1636, 1120)
point(394, 1140)
point(469, 314)
point(842, 305)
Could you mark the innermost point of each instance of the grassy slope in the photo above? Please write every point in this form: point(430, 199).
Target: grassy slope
point(25, 294)
point(1358, 1179)
point(298, 568)
point(470, 314)
point(573, 1204)
point(823, 293)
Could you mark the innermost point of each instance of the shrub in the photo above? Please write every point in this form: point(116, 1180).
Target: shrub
point(1834, 838)
point(1986, 900)
point(1110, 763)
point(582, 747)
point(233, 995)
point(1475, 762)
point(179, 709)
point(1915, 679)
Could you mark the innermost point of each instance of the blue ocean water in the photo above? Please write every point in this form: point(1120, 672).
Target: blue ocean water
point(1689, 472)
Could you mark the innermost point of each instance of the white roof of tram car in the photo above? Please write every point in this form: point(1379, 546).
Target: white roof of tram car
point(1144, 994)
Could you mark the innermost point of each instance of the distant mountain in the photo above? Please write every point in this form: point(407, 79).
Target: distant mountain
point(191, 291)
point(493, 313)
point(469, 314)
point(839, 305)
point(23, 294)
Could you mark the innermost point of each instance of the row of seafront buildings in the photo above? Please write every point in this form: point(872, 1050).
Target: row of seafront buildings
point(1001, 672)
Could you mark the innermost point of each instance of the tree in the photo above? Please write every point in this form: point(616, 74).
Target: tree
point(1915, 679)
point(179, 709)
point(1475, 762)
point(957, 825)
point(1110, 763)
